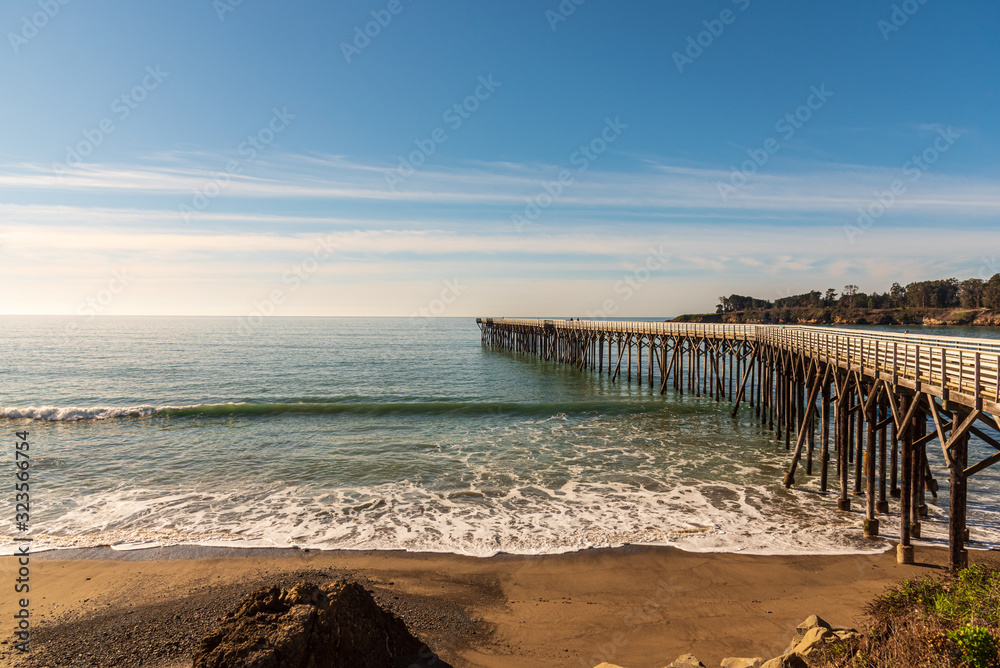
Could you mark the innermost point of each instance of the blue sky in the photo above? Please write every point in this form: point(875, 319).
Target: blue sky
point(523, 158)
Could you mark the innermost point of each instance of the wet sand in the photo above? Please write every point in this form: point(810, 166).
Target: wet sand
point(637, 607)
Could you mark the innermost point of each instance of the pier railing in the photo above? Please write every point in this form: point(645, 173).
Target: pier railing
point(961, 369)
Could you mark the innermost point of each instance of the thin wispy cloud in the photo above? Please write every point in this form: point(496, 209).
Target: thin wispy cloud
point(824, 189)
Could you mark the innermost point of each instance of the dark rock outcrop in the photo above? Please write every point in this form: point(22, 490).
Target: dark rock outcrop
point(335, 625)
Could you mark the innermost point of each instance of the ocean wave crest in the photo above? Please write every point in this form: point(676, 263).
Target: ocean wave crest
point(73, 413)
point(475, 408)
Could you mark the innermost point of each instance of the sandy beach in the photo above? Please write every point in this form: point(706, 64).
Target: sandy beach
point(638, 607)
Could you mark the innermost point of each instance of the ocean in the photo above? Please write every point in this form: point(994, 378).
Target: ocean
point(390, 434)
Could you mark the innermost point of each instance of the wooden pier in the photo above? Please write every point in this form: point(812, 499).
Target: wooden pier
point(887, 396)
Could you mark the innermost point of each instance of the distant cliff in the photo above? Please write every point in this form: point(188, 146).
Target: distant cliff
point(937, 317)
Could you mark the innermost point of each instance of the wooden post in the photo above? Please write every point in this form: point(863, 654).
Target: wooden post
point(904, 551)
point(652, 355)
point(609, 354)
point(882, 506)
point(699, 371)
point(810, 437)
point(842, 432)
point(772, 395)
point(894, 459)
point(638, 360)
point(708, 372)
point(859, 454)
point(787, 407)
point(871, 522)
point(824, 437)
point(958, 555)
point(628, 363)
point(691, 367)
point(850, 426)
point(920, 459)
point(679, 367)
point(802, 431)
point(758, 378)
point(916, 473)
point(740, 393)
point(733, 359)
point(664, 371)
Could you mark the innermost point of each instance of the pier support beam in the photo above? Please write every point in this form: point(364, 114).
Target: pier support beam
point(871, 522)
point(904, 551)
point(956, 451)
point(842, 432)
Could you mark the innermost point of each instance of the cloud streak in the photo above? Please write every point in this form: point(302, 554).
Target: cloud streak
point(661, 187)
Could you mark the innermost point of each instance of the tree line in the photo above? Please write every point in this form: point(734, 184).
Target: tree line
point(972, 293)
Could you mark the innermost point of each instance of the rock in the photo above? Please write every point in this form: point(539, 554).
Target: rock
point(792, 660)
point(607, 665)
point(686, 661)
point(733, 662)
point(336, 625)
point(811, 622)
point(814, 633)
point(815, 637)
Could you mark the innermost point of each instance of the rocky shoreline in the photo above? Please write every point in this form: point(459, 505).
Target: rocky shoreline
point(929, 317)
point(814, 641)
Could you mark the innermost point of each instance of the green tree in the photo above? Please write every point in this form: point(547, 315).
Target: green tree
point(741, 303)
point(811, 299)
point(991, 293)
point(897, 295)
point(933, 294)
point(970, 293)
point(847, 296)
